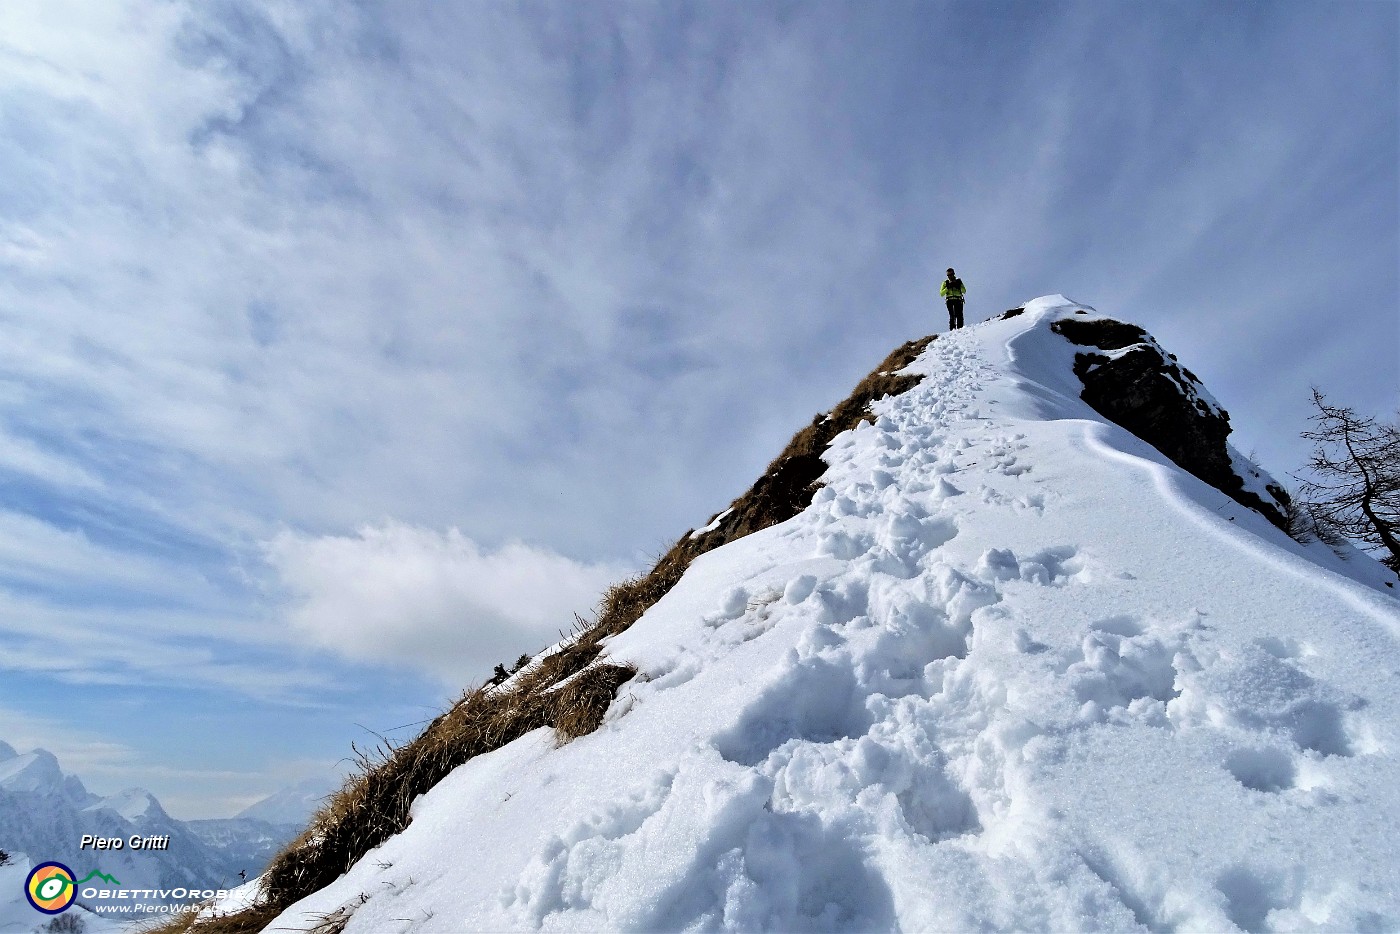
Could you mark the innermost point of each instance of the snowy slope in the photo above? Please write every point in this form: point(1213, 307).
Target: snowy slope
point(1011, 669)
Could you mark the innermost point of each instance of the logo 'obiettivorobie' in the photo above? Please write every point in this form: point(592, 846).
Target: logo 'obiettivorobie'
point(51, 887)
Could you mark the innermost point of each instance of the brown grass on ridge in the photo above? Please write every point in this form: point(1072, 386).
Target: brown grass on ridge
point(373, 805)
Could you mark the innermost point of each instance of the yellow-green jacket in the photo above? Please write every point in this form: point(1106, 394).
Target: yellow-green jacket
point(954, 289)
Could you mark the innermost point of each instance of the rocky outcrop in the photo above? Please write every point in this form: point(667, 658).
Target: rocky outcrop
point(1138, 386)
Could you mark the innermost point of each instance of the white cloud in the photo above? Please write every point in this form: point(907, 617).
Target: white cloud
point(167, 650)
point(281, 245)
point(433, 600)
point(38, 553)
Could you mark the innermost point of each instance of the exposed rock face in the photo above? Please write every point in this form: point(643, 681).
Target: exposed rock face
point(1139, 387)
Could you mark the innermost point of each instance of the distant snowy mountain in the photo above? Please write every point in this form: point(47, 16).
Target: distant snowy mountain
point(44, 814)
point(256, 833)
point(38, 771)
point(1006, 665)
point(292, 805)
point(134, 804)
point(244, 844)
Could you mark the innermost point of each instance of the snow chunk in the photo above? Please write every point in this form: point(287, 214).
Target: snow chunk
point(714, 524)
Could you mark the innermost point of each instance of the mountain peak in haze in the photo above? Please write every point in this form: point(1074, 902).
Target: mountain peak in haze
point(291, 805)
point(33, 771)
point(133, 804)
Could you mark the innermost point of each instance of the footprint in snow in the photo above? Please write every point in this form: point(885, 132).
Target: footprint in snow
point(1251, 693)
point(1050, 567)
point(1269, 769)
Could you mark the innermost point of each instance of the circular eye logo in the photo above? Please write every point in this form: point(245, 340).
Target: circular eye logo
point(50, 888)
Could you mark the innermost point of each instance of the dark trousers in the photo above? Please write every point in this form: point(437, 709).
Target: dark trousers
point(955, 320)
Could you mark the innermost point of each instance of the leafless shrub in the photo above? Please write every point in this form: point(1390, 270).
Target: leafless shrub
point(1353, 490)
point(66, 924)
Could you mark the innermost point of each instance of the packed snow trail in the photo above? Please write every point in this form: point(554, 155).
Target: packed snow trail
point(1011, 669)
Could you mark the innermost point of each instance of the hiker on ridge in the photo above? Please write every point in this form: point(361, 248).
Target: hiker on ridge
point(953, 290)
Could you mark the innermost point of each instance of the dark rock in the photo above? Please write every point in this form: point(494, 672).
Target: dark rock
point(1149, 394)
point(1105, 333)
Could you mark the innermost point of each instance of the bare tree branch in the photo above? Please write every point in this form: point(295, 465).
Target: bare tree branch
point(1355, 488)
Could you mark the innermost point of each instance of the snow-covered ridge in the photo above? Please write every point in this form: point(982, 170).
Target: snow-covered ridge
point(1011, 668)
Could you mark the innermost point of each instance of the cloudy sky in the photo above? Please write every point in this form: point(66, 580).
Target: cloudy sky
point(346, 350)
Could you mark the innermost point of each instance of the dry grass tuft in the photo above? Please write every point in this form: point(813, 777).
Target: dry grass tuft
point(374, 805)
point(580, 705)
point(332, 922)
point(569, 690)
